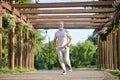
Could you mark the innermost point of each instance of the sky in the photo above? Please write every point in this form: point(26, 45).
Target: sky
point(77, 34)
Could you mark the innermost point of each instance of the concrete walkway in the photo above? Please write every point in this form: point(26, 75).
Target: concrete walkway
point(56, 75)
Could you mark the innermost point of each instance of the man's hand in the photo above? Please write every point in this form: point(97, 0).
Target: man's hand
point(65, 47)
point(68, 45)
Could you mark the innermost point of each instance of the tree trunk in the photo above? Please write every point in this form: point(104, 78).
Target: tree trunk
point(118, 49)
point(9, 48)
point(115, 51)
point(111, 51)
point(26, 56)
point(12, 48)
point(24, 51)
point(100, 53)
point(17, 53)
point(0, 40)
point(21, 49)
point(98, 50)
point(107, 54)
point(32, 53)
point(29, 55)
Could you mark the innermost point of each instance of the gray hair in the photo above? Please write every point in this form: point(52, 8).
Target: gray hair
point(61, 22)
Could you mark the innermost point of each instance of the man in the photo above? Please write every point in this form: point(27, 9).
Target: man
point(64, 41)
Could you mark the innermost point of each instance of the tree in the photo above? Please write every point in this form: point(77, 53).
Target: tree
point(4, 47)
point(20, 1)
point(82, 53)
point(39, 39)
point(9, 40)
point(53, 55)
point(93, 37)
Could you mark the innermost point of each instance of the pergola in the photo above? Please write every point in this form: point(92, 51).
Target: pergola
point(76, 15)
point(48, 14)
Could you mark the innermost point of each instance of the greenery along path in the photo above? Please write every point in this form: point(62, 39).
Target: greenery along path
point(56, 75)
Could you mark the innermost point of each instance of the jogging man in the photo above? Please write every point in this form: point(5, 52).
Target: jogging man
point(62, 47)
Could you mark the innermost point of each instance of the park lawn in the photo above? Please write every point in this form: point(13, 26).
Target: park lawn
point(115, 72)
point(16, 70)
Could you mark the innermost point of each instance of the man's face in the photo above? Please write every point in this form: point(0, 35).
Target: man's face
point(60, 26)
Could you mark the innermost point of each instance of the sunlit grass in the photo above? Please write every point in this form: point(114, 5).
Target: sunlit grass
point(6, 70)
point(115, 72)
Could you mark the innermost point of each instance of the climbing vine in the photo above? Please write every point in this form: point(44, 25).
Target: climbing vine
point(112, 25)
point(8, 21)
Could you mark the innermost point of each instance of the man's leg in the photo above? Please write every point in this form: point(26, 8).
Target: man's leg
point(67, 59)
point(61, 61)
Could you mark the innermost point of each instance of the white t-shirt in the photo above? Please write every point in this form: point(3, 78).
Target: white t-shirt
point(62, 38)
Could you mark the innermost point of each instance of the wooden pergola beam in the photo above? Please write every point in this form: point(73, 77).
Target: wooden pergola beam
point(71, 20)
point(68, 16)
point(64, 4)
point(68, 11)
point(70, 26)
point(7, 6)
point(15, 11)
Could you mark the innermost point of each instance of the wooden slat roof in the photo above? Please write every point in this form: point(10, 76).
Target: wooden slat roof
point(68, 16)
point(71, 20)
point(68, 11)
point(91, 14)
point(64, 4)
point(67, 25)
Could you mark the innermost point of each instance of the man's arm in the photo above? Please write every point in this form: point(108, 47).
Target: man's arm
point(55, 39)
point(70, 40)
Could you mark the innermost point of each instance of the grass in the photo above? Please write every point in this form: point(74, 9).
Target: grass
point(115, 72)
point(6, 70)
point(88, 66)
point(81, 67)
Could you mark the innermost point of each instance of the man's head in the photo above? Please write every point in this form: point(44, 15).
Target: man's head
point(61, 25)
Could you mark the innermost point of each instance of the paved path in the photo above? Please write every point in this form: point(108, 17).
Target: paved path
point(56, 75)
